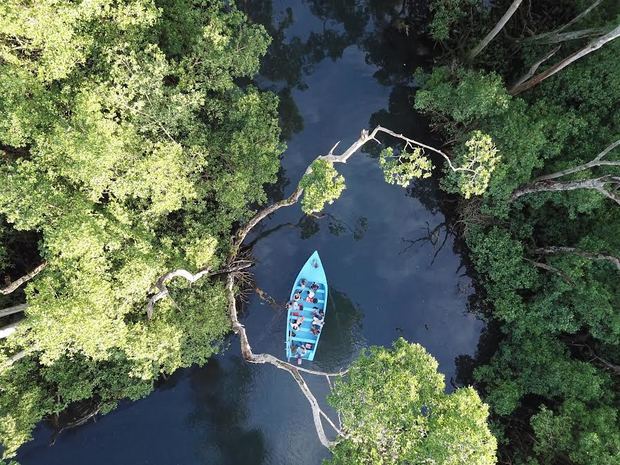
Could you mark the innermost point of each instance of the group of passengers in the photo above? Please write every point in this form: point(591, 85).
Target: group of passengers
point(297, 306)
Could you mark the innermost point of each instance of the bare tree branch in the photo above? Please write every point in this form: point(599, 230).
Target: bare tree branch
point(582, 253)
point(192, 278)
point(589, 48)
point(597, 161)
point(498, 27)
point(365, 137)
point(568, 36)
point(11, 310)
point(27, 277)
point(78, 422)
point(262, 214)
point(536, 65)
point(577, 18)
point(612, 366)
point(248, 355)
point(606, 185)
point(553, 269)
point(265, 297)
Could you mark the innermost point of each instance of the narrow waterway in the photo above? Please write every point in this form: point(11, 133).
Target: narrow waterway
point(390, 258)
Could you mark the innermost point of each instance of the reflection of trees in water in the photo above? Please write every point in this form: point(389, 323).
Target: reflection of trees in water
point(221, 413)
point(339, 227)
point(432, 236)
point(342, 336)
point(309, 225)
point(391, 32)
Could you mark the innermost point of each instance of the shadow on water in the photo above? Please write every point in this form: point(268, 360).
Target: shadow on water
point(342, 337)
point(221, 413)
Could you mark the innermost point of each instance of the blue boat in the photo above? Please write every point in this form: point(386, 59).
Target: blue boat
point(302, 337)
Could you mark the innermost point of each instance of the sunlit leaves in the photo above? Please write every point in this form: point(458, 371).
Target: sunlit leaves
point(131, 150)
point(478, 162)
point(321, 185)
point(406, 166)
point(394, 410)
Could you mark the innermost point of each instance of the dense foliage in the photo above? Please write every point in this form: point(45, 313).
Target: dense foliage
point(395, 410)
point(546, 258)
point(127, 148)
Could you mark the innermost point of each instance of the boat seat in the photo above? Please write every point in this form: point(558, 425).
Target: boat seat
point(303, 339)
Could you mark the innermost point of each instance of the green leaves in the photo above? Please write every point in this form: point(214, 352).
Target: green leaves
point(406, 166)
point(464, 97)
point(479, 160)
point(322, 184)
point(394, 410)
point(129, 151)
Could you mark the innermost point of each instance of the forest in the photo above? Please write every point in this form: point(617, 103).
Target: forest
point(138, 150)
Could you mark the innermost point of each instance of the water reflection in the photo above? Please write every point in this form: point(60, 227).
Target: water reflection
point(220, 413)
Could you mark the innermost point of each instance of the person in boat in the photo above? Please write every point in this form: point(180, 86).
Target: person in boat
point(299, 353)
point(320, 314)
point(297, 322)
point(297, 295)
point(310, 296)
point(303, 283)
point(314, 287)
point(317, 325)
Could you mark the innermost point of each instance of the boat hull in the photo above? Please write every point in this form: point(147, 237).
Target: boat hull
point(300, 331)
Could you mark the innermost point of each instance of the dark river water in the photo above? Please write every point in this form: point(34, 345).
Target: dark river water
point(389, 256)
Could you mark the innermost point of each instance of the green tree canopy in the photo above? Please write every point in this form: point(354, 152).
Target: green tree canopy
point(127, 148)
point(395, 410)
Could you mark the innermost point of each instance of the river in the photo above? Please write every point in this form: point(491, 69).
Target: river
point(392, 263)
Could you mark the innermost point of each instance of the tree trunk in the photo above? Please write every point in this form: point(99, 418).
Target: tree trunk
point(7, 330)
point(589, 255)
point(556, 32)
point(11, 310)
point(597, 184)
point(27, 277)
point(591, 47)
point(498, 27)
point(597, 161)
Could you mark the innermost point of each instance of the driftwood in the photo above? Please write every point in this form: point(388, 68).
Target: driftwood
point(18, 282)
